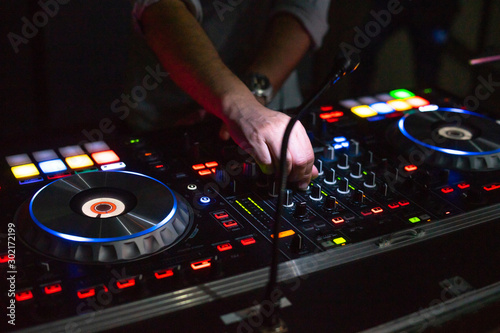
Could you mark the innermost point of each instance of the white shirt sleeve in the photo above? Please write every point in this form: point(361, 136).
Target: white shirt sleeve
point(194, 7)
point(313, 14)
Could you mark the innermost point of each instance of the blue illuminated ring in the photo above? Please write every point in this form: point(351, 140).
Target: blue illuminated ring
point(102, 240)
point(445, 150)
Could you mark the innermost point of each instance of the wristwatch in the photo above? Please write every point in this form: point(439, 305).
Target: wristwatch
point(260, 86)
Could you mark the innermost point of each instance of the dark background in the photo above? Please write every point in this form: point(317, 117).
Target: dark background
point(66, 77)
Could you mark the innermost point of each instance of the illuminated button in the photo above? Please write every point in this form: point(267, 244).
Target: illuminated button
point(326, 108)
point(338, 220)
point(201, 264)
point(164, 273)
point(94, 147)
point(401, 93)
point(393, 205)
point(105, 157)
point(399, 105)
point(25, 171)
point(330, 115)
point(211, 164)
point(52, 289)
point(52, 166)
point(4, 258)
point(230, 224)
point(411, 168)
point(491, 187)
point(366, 212)
point(247, 241)
point(45, 155)
point(382, 108)
point(204, 172)
point(332, 120)
point(377, 210)
point(417, 102)
point(85, 293)
point(414, 219)
point(427, 108)
point(363, 111)
point(19, 159)
point(339, 240)
point(204, 200)
point(339, 139)
point(463, 185)
point(192, 187)
point(198, 167)
point(221, 215)
point(125, 283)
point(404, 202)
point(24, 295)
point(71, 151)
point(113, 166)
point(79, 161)
point(447, 190)
point(285, 233)
point(224, 247)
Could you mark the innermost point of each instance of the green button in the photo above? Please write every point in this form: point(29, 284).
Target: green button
point(414, 219)
point(401, 93)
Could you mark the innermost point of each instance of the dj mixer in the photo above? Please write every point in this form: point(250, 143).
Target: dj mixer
point(173, 230)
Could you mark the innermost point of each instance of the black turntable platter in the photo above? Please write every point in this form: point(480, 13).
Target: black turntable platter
point(103, 217)
point(451, 138)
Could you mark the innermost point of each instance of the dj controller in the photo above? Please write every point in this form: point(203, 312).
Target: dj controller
point(173, 230)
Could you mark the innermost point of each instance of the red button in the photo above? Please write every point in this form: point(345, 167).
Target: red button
point(198, 166)
point(24, 295)
point(52, 289)
point(221, 215)
point(410, 168)
point(447, 190)
point(491, 187)
point(366, 212)
point(164, 273)
point(377, 210)
point(126, 283)
point(404, 202)
point(463, 185)
point(224, 247)
point(4, 258)
point(230, 224)
point(85, 293)
point(204, 172)
point(393, 205)
point(201, 264)
point(211, 164)
point(248, 241)
point(338, 220)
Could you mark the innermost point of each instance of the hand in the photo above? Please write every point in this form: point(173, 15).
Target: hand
point(259, 131)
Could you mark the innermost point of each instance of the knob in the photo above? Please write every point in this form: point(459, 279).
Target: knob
point(329, 153)
point(370, 180)
point(300, 210)
point(343, 186)
point(384, 190)
point(358, 196)
point(369, 157)
point(288, 198)
point(330, 203)
point(356, 172)
point(353, 148)
point(296, 244)
point(273, 189)
point(330, 176)
point(344, 162)
point(319, 166)
point(316, 192)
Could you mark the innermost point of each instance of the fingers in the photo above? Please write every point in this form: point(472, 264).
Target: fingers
point(224, 132)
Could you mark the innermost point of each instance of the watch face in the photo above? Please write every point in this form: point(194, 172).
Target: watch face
point(260, 86)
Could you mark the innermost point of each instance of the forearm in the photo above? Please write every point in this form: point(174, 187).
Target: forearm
point(283, 48)
point(188, 55)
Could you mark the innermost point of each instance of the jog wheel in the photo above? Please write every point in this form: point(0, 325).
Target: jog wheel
point(104, 217)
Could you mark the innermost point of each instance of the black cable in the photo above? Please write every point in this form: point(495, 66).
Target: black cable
point(342, 66)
